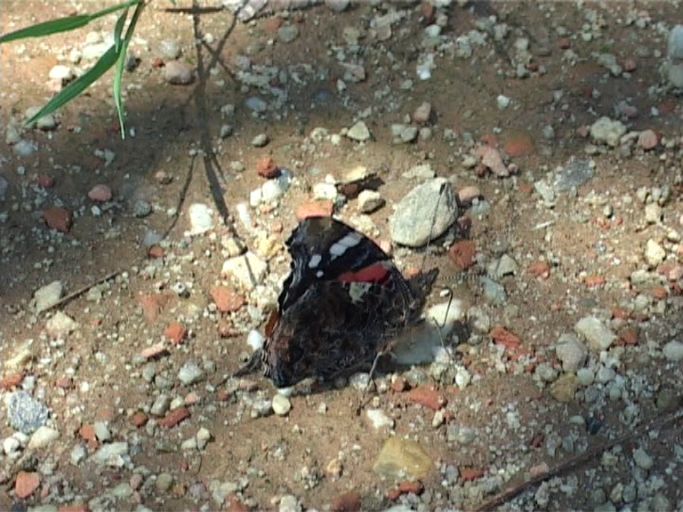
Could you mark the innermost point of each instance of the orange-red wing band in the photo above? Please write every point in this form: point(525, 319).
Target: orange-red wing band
point(375, 273)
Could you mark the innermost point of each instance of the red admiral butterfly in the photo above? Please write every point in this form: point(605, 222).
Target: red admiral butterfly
point(342, 303)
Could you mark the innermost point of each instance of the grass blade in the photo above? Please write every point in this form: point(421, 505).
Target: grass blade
point(79, 85)
point(121, 64)
point(118, 29)
point(63, 24)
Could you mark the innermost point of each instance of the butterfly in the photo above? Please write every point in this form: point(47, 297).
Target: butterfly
point(342, 303)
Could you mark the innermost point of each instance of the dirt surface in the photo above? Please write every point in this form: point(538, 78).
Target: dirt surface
point(139, 364)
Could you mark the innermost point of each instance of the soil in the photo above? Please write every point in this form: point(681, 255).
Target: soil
point(588, 246)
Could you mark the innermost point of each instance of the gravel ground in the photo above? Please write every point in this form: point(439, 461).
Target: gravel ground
point(539, 144)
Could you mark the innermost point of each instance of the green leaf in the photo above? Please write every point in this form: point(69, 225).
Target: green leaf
point(121, 64)
point(63, 24)
point(118, 77)
point(79, 85)
point(118, 29)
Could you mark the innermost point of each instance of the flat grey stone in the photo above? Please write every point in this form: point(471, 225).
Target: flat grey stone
point(571, 351)
point(287, 33)
point(25, 413)
point(47, 296)
point(597, 334)
point(424, 213)
point(576, 173)
point(359, 132)
point(607, 131)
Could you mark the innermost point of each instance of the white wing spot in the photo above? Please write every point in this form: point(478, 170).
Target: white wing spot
point(337, 249)
point(350, 240)
point(315, 259)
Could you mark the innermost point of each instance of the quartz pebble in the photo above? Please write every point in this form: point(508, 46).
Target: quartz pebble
point(596, 333)
point(673, 351)
point(358, 132)
point(379, 420)
point(281, 405)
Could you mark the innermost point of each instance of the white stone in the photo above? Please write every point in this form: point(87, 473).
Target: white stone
point(190, 373)
point(596, 333)
point(419, 344)
point(369, 201)
point(325, 191)
point(42, 437)
point(189, 444)
point(358, 132)
point(111, 454)
point(102, 431)
point(420, 171)
point(503, 102)
point(47, 122)
point(255, 340)
point(281, 405)
point(248, 269)
point(673, 351)
point(642, 459)
point(379, 419)
point(425, 213)
point(10, 445)
point(654, 253)
point(585, 376)
point(201, 218)
point(571, 351)
point(60, 325)
point(61, 73)
point(47, 296)
point(462, 377)
point(675, 43)
point(675, 75)
point(203, 437)
point(289, 503)
point(275, 188)
point(608, 131)
point(24, 148)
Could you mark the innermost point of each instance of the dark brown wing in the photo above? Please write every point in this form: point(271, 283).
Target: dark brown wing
point(335, 328)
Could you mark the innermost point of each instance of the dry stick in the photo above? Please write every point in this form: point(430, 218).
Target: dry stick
point(111, 275)
point(82, 290)
point(573, 462)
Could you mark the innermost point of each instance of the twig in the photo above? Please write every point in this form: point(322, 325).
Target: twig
point(573, 462)
point(82, 290)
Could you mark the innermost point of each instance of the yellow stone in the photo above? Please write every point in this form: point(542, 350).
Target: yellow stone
point(401, 458)
point(564, 388)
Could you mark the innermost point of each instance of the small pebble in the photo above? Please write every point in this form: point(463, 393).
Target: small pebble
point(169, 49)
point(190, 373)
point(100, 193)
point(281, 405)
point(358, 132)
point(142, 208)
point(379, 419)
point(260, 140)
point(673, 351)
point(178, 73)
point(287, 33)
point(642, 459)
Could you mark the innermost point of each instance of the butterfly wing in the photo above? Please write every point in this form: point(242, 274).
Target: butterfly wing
point(341, 303)
point(322, 249)
point(332, 328)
